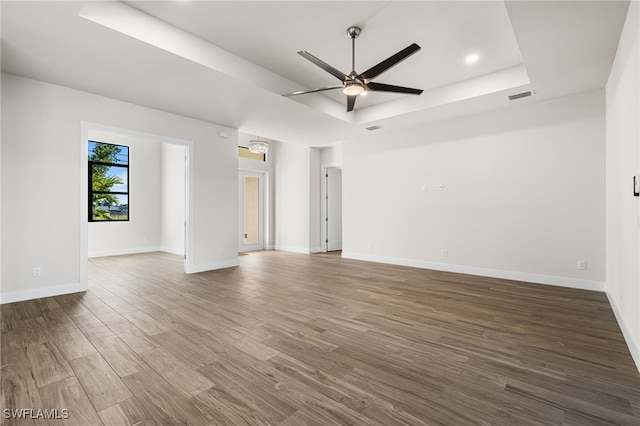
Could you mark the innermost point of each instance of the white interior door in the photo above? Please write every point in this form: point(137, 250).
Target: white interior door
point(334, 209)
point(251, 211)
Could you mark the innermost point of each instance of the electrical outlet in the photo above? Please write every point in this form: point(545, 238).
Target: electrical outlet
point(445, 252)
point(37, 271)
point(582, 265)
point(371, 245)
point(221, 250)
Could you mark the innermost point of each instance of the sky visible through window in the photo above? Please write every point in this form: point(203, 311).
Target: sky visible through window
point(121, 158)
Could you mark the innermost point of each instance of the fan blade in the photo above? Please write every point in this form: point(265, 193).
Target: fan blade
point(328, 68)
point(320, 89)
point(380, 87)
point(376, 70)
point(351, 101)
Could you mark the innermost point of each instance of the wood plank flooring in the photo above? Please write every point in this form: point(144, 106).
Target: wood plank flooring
point(290, 339)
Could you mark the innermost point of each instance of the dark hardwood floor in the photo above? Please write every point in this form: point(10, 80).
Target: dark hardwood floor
point(290, 339)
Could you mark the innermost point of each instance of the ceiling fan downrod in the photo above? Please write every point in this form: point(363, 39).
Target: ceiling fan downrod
point(353, 32)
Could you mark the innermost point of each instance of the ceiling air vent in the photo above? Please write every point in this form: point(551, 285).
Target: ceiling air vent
point(520, 95)
point(372, 128)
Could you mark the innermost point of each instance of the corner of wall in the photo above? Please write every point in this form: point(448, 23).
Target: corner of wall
point(633, 345)
point(622, 162)
point(204, 267)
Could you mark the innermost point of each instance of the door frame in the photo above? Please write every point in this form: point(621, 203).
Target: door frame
point(323, 203)
point(262, 244)
point(85, 128)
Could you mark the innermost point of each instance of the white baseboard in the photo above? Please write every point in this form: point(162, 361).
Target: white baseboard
point(485, 272)
point(293, 249)
point(173, 250)
point(38, 293)
point(120, 252)
point(204, 267)
point(314, 250)
point(632, 344)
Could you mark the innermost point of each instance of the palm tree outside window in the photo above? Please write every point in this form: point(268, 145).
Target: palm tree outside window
point(108, 182)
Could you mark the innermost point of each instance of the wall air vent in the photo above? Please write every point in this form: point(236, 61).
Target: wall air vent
point(520, 95)
point(372, 128)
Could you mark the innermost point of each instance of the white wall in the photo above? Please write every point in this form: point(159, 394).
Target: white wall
point(43, 152)
point(172, 238)
point(315, 214)
point(142, 232)
point(523, 193)
point(291, 197)
point(297, 193)
point(623, 162)
point(331, 154)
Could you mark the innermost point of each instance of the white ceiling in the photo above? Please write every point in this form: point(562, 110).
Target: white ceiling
point(230, 62)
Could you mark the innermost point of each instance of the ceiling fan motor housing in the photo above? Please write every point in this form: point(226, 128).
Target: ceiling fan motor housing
point(353, 32)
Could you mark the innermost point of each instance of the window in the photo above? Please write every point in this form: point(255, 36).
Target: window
point(108, 182)
point(244, 152)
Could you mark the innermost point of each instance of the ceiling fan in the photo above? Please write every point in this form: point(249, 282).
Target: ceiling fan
point(354, 84)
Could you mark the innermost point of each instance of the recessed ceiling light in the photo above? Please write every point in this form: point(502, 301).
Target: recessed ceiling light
point(472, 59)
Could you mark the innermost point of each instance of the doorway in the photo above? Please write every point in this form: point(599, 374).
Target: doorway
point(250, 211)
point(184, 191)
point(332, 208)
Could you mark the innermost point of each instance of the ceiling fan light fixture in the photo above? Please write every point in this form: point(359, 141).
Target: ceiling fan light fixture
point(472, 58)
point(353, 88)
point(258, 146)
